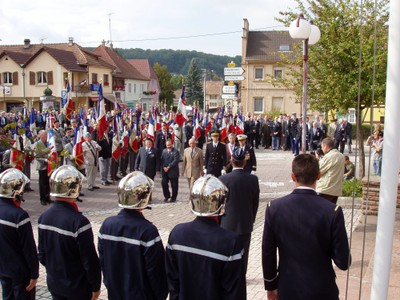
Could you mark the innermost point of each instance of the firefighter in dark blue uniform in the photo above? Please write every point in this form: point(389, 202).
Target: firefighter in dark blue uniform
point(19, 265)
point(66, 246)
point(215, 158)
point(251, 162)
point(131, 252)
point(203, 260)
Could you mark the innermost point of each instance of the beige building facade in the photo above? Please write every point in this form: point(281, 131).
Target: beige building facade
point(261, 56)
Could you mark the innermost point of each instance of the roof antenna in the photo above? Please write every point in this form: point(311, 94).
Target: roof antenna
point(109, 27)
point(42, 39)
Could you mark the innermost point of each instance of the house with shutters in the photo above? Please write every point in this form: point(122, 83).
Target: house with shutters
point(27, 70)
point(129, 85)
point(152, 93)
point(261, 54)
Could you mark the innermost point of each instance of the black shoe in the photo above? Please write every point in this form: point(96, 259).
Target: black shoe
point(108, 182)
point(172, 200)
point(96, 187)
point(90, 189)
point(81, 194)
point(166, 200)
point(28, 190)
point(49, 201)
point(105, 183)
point(44, 203)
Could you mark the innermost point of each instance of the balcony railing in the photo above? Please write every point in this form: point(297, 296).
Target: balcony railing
point(81, 89)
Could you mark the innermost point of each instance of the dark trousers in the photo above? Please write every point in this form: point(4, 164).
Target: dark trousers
point(174, 186)
point(44, 187)
point(114, 169)
point(16, 290)
point(246, 246)
point(295, 146)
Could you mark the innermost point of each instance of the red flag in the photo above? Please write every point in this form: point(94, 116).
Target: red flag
point(52, 160)
point(78, 151)
point(69, 107)
point(133, 141)
point(16, 156)
point(102, 119)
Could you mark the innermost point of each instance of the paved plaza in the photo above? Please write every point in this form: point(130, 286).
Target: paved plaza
point(274, 176)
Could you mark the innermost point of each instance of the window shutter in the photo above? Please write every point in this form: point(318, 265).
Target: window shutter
point(32, 77)
point(15, 78)
point(1, 75)
point(50, 78)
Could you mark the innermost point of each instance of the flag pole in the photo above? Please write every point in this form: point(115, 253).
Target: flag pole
point(389, 179)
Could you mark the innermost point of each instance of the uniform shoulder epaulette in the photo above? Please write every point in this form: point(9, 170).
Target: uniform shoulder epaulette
point(336, 208)
point(251, 147)
point(209, 143)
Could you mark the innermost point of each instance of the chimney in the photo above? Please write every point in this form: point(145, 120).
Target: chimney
point(71, 41)
point(27, 43)
point(111, 45)
point(103, 43)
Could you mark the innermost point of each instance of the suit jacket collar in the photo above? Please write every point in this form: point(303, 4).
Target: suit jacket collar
point(304, 192)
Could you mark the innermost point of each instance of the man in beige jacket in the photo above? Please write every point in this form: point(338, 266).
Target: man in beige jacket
point(331, 166)
point(91, 154)
point(192, 162)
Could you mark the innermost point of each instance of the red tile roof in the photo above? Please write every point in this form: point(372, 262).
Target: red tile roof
point(144, 67)
point(123, 69)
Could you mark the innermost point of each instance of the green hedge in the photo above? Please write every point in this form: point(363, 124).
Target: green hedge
point(348, 187)
point(366, 128)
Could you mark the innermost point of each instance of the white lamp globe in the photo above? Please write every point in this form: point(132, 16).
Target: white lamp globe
point(300, 29)
point(314, 35)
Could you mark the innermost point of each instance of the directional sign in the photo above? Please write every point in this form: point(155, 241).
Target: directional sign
point(229, 89)
point(234, 78)
point(233, 71)
point(228, 96)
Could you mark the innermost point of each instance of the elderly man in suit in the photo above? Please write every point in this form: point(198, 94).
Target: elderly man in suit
point(192, 162)
point(91, 155)
point(169, 171)
point(240, 215)
point(146, 160)
point(309, 232)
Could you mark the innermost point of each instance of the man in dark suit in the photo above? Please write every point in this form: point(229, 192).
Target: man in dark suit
point(161, 138)
point(242, 203)
point(315, 137)
point(146, 160)
point(250, 165)
point(215, 158)
point(169, 171)
point(309, 232)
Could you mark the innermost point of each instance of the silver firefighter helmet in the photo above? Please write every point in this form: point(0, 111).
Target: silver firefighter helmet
point(66, 182)
point(12, 184)
point(134, 190)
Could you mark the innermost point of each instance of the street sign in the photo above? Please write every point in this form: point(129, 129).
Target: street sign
point(228, 96)
point(229, 89)
point(233, 71)
point(234, 78)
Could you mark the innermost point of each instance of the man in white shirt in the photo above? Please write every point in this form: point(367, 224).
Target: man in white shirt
point(90, 153)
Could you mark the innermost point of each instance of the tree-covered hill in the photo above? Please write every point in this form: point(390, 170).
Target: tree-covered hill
point(178, 61)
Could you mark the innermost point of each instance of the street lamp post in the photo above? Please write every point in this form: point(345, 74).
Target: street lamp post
point(301, 29)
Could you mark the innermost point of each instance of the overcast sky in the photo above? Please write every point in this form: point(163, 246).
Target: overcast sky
point(212, 26)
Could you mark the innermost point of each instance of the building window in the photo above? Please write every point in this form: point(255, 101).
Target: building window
point(259, 73)
point(94, 78)
point(41, 77)
point(141, 89)
point(278, 73)
point(7, 78)
point(213, 104)
point(106, 82)
point(284, 48)
point(144, 106)
point(130, 87)
point(259, 105)
point(277, 104)
point(352, 116)
point(134, 88)
point(213, 97)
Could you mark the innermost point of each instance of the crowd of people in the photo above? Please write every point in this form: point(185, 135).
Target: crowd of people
point(131, 256)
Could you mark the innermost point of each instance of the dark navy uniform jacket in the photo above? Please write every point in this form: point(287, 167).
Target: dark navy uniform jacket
point(67, 250)
point(215, 158)
point(309, 232)
point(204, 261)
point(132, 257)
point(251, 162)
point(18, 255)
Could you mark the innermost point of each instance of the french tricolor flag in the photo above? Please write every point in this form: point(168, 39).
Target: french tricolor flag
point(150, 131)
point(101, 118)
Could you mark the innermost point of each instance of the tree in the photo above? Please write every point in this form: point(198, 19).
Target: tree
point(164, 78)
point(176, 81)
point(194, 89)
point(333, 82)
